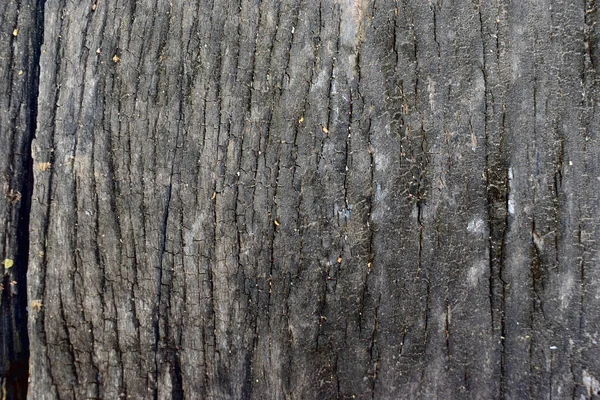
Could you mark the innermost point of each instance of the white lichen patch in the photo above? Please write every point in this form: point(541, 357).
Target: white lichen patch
point(477, 272)
point(566, 291)
point(591, 383)
point(476, 225)
point(511, 198)
point(381, 160)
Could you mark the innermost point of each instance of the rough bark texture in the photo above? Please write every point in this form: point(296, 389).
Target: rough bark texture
point(301, 199)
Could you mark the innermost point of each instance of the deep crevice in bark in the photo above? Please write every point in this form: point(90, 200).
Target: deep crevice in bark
point(15, 381)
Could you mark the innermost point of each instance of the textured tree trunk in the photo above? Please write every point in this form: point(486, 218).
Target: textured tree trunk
point(292, 199)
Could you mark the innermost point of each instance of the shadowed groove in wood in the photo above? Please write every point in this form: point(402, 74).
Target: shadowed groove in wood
point(22, 34)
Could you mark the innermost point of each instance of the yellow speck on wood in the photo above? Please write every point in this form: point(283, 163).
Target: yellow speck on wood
point(339, 260)
point(44, 166)
point(36, 305)
point(20, 72)
point(98, 51)
point(325, 130)
point(301, 120)
point(94, 6)
point(276, 223)
point(214, 196)
point(41, 254)
point(15, 32)
point(8, 263)
point(116, 58)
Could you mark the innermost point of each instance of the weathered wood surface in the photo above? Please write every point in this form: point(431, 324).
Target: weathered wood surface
point(308, 200)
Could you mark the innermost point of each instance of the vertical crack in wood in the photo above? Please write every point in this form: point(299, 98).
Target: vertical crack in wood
point(25, 45)
point(496, 176)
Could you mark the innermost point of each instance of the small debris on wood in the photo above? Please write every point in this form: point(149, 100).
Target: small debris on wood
point(8, 263)
point(339, 260)
point(94, 6)
point(301, 120)
point(15, 32)
point(214, 196)
point(116, 59)
point(276, 222)
point(45, 166)
point(98, 50)
point(13, 195)
point(325, 130)
point(36, 305)
point(20, 72)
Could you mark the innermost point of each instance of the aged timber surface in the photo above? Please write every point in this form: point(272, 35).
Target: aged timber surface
point(300, 199)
